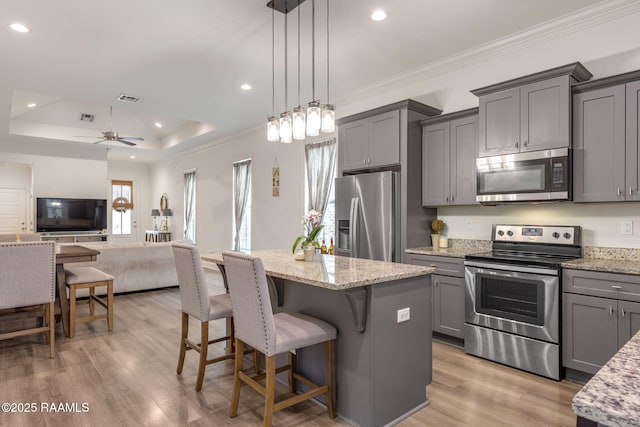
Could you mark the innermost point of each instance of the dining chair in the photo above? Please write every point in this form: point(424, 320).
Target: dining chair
point(27, 279)
point(197, 303)
point(273, 334)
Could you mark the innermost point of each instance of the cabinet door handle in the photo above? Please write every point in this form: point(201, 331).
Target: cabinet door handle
point(526, 143)
point(446, 199)
point(630, 191)
point(436, 283)
point(432, 265)
point(364, 161)
point(368, 160)
point(619, 192)
point(517, 144)
point(616, 287)
point(452, 198)
point(622, 311)
point(610, 311)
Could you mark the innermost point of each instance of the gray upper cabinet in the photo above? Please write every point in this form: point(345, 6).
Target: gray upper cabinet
point(370, 142)
point(605, 138)
point(529, 113)
point(449, 146)
point(633, 141)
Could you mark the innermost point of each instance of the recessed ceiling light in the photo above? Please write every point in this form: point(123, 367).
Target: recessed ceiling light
point(158, 124)
point(245, 86)
point(132, 157)
point(379, 15)
point(33, 104)
point(19, 28)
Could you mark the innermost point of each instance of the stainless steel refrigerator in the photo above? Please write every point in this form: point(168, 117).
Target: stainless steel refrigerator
point(368, 216)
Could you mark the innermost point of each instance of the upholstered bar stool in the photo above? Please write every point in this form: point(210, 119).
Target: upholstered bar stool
point(197, 303)
point(273, 334)
point(89, 278)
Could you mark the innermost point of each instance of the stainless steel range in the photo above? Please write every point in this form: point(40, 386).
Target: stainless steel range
point(512, 296)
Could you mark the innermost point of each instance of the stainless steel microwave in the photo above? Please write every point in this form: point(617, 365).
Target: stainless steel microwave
point(533, 176)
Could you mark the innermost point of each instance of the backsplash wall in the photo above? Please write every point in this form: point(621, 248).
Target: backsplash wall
point(601, 222)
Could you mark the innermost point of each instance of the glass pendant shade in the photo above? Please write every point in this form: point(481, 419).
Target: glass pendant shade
point(273, 129)
point(299, 123)
point(328, 118)
point(313, 118)
point(286, 134)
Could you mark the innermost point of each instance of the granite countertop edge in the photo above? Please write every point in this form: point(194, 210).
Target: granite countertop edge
point(444, 252)
point(604, 265)
point(612, 396)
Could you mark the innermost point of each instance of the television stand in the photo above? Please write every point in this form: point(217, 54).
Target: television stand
point(68, 237)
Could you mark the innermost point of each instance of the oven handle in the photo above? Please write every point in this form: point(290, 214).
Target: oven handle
point(513, 268)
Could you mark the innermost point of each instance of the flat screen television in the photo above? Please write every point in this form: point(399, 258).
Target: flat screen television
point(54, 214)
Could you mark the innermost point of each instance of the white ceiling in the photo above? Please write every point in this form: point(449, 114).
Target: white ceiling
point(187, 60)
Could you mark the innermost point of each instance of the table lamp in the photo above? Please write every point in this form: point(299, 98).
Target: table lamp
point(155, 213)
point(166, 213)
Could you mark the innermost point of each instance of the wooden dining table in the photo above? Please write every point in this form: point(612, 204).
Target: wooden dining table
point(66, 254)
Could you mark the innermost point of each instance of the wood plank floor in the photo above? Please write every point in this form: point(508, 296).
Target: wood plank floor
point(128, 378)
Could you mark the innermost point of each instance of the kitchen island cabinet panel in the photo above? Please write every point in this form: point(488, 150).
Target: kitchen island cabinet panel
point(448, 313)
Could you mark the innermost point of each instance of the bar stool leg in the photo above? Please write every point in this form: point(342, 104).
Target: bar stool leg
point(110, 304)
point(183, 344)
point(270, 389)
point(237, 365)
point(204, 347)
point(72, 311)
point(92, 303)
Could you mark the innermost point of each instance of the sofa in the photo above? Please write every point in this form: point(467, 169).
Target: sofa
point(136, 266)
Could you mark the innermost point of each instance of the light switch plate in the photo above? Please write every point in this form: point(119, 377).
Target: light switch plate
point(627, 227)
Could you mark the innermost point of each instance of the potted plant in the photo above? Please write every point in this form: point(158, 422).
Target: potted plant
point(437, 226)
point(312, 227)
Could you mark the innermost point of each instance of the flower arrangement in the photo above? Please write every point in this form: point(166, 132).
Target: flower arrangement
point(437, 225)
point(311, 224)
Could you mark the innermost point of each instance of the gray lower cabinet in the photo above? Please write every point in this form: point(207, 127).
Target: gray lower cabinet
point(448, 292)
point(449, 146)
point(370, 142)
point(606, 153)
point(601, 313)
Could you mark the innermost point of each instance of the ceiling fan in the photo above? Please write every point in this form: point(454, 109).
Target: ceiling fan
point(110, 135)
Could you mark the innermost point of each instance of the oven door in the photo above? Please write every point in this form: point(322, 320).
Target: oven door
point(520, 300)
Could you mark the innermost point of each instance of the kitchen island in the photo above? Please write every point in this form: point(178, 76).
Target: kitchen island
point(382, 365)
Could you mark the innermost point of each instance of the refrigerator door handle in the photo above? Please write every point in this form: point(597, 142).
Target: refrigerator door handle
point(353, 229)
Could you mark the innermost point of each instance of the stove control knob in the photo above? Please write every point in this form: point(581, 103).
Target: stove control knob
point(510, 233)
point(567, 235)
point(556, 234)
point(500, 233)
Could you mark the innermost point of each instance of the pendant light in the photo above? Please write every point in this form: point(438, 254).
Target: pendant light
point(313, 109)
point(273, 124)
point(286, 128)
point(299, 116)
point(328, 110)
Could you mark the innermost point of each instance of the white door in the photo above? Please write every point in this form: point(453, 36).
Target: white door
point(13, 210)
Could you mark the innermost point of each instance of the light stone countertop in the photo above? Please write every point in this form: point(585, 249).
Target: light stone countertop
point(612, 396)
point(447, 252)
point(604, 265)
point(329, 271)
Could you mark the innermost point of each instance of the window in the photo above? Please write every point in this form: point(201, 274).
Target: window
point(320, 161)
point(190, 205)
point(122, 205)
point(242, 205)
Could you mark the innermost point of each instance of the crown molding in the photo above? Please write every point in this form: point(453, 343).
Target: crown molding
point(580, 20)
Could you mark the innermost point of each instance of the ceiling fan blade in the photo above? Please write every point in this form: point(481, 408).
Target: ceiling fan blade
point(86, 136)
point(132, 138)
point(130, 144)
point(102, 140)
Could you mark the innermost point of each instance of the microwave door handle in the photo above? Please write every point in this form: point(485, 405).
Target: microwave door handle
point(353, 229)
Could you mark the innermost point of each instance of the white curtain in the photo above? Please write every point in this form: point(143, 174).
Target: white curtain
point(241, 186)
point(190, 205)
point(320, 159)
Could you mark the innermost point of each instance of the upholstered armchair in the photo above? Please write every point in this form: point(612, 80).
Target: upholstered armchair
point(28, 279)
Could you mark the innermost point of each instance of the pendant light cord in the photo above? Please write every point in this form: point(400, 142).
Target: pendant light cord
point(273, 61)
point(313, 49)
point(286, 79)
point(328, 52)
point(298, 52)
